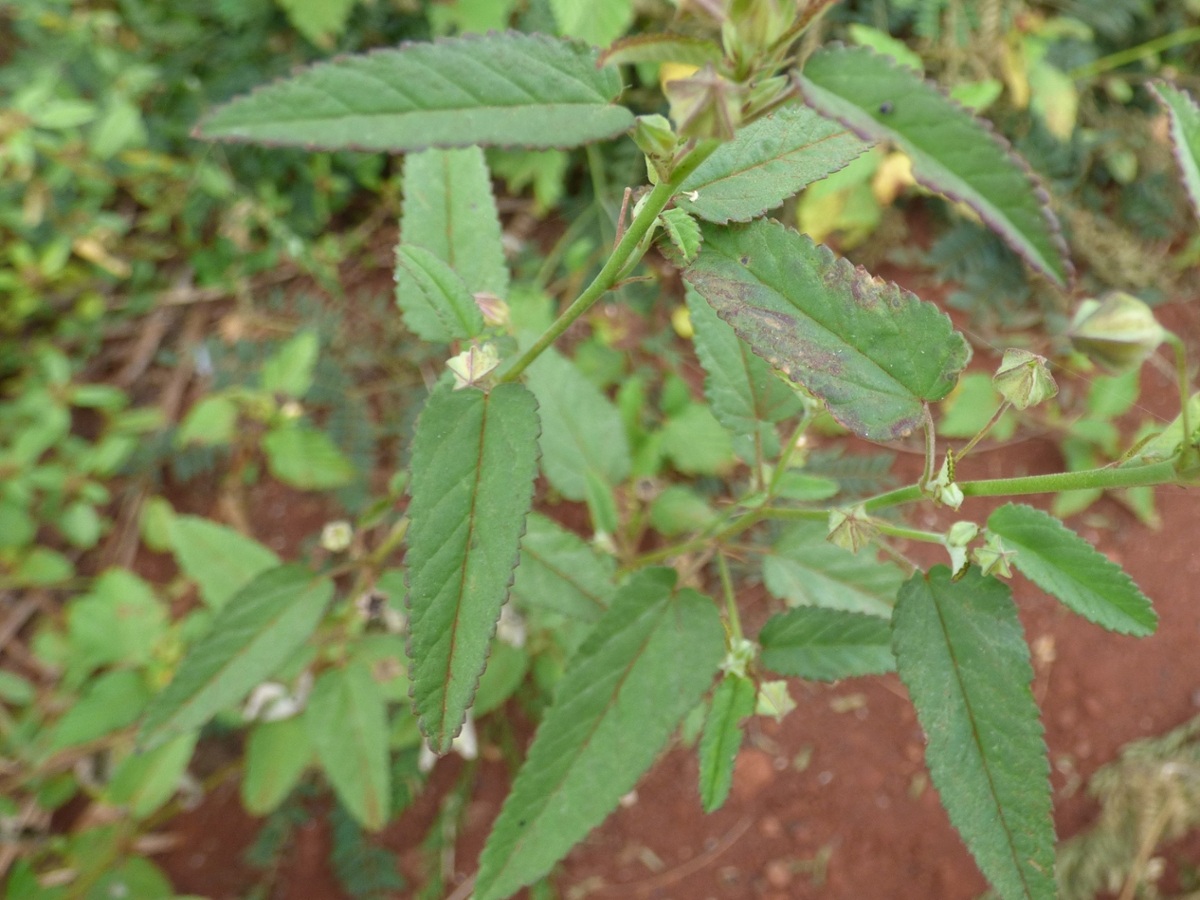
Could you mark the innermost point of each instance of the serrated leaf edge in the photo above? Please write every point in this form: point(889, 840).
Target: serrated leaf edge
point(1177, 141)
point(197, 132)
point(1054, 227)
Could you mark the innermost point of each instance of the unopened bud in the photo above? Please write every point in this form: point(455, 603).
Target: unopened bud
point(495, 310)
point(956, 540)
point(470, 366)
point(760, 22)
point(291, 410)
point(655, 137)
point(336, 536)
point(738, 657)
point(993, 557)
point(942, 489)
point(850, 529)
point(1024, 379)
point(774, 700)
point(705, 105)
point(1117, 332)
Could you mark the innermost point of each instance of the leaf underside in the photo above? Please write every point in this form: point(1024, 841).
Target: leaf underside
point(952, 151)
point(450, 211)
point(644, 666)
point(805, 569)
point(1066, 566)
point(767, 162)
point(559, 572)
point(500, 89)
point(581, 429)
point(473, 464)
point(961, 653)
point(826, 644)
point(253, 634)
point(872, 351)
point(732, 701)
point(1184, 114)
point(659, 48)
point(745, 395)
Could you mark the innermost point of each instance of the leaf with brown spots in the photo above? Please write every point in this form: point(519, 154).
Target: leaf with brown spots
point(873, 352)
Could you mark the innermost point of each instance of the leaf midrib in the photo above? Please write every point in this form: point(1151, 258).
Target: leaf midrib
point(987, 770)
point(565, 577)
point(774, 159)
point(583, 745)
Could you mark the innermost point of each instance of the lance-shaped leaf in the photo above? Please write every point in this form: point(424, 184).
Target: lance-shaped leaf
point(662, 47)
point(220, 560)
point(436, 303)
point(450, 211)
point(347, 724)
point(1063, 564)
point(644, 666)
point(961, 654)
point(769, 161)
point(581, 429)
point(805, 569)
point(252, 635)
point(505, 90)
point(742, 390)
point(1184, 114)
point(558, 571)
point(826, 644)
point(872, 351)
point(732, 701)
point(952, 152)
point(473, 464)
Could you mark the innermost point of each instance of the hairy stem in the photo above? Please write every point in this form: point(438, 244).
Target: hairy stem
point(1105, 479)
point(983, 431)
point(655, 203)
point(1186, 450)
point(735, 622)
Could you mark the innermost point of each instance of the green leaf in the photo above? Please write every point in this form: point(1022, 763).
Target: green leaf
point(318, 20)
point(449, 211)
point(806, 570)
point(120, 620)
point(660, 48)
point(683, 232)
point(436, 304)
point(347, 724)
point(696, 443)
point(251, 636)
point(1062, 563)
point(961, 654)
point(678, 510)
point(558, 571)
point(1184, 114)
point(474, 460)
point(952, 152)
point(971, 406)
point(826, 644)
point(581, 429)
point(112, 701)
point(505, 671)
point(135, 878)
point(597, 23)
point(767, 162)
point(885, 45)
point(220, 560)
point(507, 90)
point(733, 701)
point(289, 370)
point(743, 392)
point(277, 753)
point(211, 421)
point(644, 666)
point(872, 351)
point(145, 781)
point(306, 458)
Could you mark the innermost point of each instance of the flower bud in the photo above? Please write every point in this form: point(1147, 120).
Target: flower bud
point(1117, 332)
point(654, 137)
point(993, 557)
point(942, 489)
point(336, 536)
point(850, 529)
point(495, 310)
point(470, 366)
point(956, 540)
point(705, 105)
point(774, 700)
point(1024, 379)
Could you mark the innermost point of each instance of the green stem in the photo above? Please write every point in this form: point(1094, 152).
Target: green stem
point(983, 431)
point(735, 527)
point(1186, 449)
point(1133, 54)
point(794, 515)
point(1105, 479)
point(735, 622)
point(655, 203)
point(930, 448)
point(910, 534)
point(785, 455)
